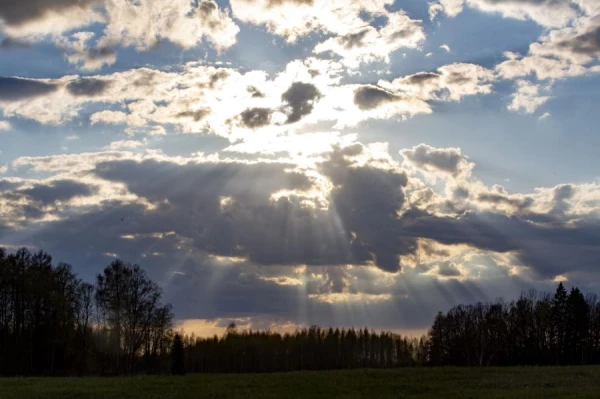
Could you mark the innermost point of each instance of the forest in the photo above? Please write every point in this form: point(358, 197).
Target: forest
point(53, 323)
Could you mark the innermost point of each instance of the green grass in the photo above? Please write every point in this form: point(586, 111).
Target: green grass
point(515, 382)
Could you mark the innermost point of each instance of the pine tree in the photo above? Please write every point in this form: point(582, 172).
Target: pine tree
point(559, 316)
point(177, 356)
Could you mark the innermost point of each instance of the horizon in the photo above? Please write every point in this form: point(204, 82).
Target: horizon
point(290, 163)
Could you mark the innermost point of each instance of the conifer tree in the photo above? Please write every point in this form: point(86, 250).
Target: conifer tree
point(177, 356)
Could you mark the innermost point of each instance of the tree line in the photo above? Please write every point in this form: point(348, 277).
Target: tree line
point(536, 329)
point(53, 323)
point(311, 348)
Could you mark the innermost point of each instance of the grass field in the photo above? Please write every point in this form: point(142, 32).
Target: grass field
point(531, 382)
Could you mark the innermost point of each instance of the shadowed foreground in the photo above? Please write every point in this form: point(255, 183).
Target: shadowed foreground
point(526, 382)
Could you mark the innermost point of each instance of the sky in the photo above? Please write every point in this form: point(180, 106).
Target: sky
point(284, 163)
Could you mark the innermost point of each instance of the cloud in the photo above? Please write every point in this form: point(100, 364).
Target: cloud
point(447, 83)
point(9, 43)
point(60, 190)
point(300, 99)
point(28, 201)
point(527, 98)
point(32, 17)
point(579, 44)
point(78, 51)
point(444, 160)
point(15, 89)
point(68, 162)
point(301, 229)
point(200, 98)
point(543, 249)
point(256, 117)
point(109, 117)
point(370, 97)
point(558, 54)
point(356, 37)
point(4, 126)
point(142, 24)
point(371, 44)
point(339, 232)
point(145, 23)
point(545, 116)
point(124, 144)
point(549, 13)
point(89, 87)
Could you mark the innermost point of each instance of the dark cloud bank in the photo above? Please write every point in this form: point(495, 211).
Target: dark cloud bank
point(226, 210)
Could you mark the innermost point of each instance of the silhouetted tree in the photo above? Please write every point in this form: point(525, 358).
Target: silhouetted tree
point(50, 321)
point(534, 330)
point(177, 356)
point(130, 302)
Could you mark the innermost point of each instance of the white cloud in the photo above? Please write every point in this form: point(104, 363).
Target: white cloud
point(545, 12)
point(33, 19)
point(448, 83)
point(370, 44)
point(4, 126)
point(355, 39)
point(527, 97)
point(235, 104)
point(78, 52)
point(436, 161)
point(559, 53)
point(109, 117)
point(144, 23)
point(125, 144)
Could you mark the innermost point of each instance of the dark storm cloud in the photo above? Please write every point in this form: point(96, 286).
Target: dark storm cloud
point(256, 117)
point(15, 13)
point(549, 249)
point(14, 89)
point(359, 227)
point(29, 203)
point(367, 200)
point(226, 209)
point(60, 190)
point(370, 97)
point(87, 87)
point(300, 99)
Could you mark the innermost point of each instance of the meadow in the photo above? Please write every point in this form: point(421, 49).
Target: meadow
point(510, 382)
